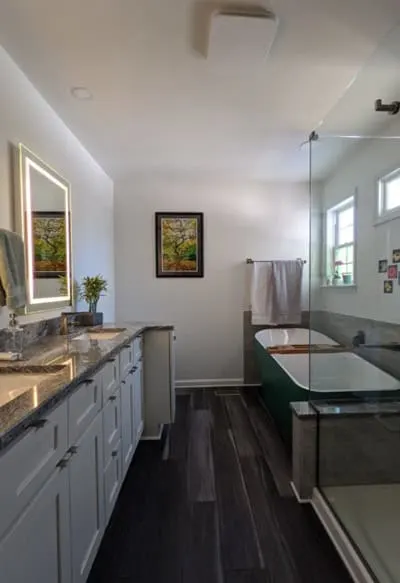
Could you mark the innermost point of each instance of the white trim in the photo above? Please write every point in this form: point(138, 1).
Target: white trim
point(339, 285)
point(341, 541)
point(386, 217)
point(297, 495)
point(200, 383)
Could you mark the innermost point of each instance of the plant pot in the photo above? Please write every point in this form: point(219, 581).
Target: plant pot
point(88, 318)
point(347, 278)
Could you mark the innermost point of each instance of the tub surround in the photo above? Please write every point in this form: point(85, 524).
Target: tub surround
point(82, 358)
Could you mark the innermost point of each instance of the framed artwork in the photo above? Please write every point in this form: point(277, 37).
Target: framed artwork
point(49, 243)
point(179, 245)
point(388, 286)
point(396, 256)
point(382, 266)
point(392, 272)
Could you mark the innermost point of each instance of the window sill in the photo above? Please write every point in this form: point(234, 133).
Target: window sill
point(385, 218)
point(339, 286)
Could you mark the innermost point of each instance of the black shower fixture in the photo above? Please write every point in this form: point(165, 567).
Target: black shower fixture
point(391, 108)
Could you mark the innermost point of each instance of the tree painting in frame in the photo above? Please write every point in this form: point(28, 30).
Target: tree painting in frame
point(179, 245)
point(49, 242)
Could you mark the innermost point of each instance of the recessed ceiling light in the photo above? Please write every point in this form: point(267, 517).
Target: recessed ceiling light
point(81, 93)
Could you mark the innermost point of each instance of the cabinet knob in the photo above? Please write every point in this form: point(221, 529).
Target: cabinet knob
point(134, 369)
point(114, 453)
point(113, 398)
point(38, 423)
point(111, 360)
point(73, 449)
point(123, 382)
point(89, 381)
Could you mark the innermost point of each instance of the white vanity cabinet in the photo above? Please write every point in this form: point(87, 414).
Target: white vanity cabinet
point(37, 547)
point(60, 481)
point(87, 499)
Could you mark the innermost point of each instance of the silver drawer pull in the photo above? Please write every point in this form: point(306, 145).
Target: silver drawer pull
point(123, 382)
point(64, 461)
point(134, 369)
point(114, 453)
point(38, 423)
point(73, 449)
point(111, 360)
point(113, 398)
point(89, 381)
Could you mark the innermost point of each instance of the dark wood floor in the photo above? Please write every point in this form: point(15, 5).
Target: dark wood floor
point(214, 505)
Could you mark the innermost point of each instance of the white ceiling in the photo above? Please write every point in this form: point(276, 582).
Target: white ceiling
point(160, 104)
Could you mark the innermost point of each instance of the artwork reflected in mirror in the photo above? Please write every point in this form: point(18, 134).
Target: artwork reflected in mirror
point(44, 215)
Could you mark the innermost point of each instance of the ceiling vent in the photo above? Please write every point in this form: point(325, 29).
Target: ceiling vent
point(241, 36)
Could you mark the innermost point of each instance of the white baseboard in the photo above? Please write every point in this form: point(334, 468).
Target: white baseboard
point(200, 383)
point(341, 541)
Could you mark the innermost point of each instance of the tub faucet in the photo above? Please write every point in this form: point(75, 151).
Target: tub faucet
point(359, 338)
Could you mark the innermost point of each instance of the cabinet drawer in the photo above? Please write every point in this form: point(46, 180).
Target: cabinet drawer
point(125, 360)
point(112, 480)
point(111, 424)
point(29, 462)
point(83, 407)
point(110, 378)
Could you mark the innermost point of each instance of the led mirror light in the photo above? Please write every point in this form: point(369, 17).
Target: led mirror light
point(45, 224)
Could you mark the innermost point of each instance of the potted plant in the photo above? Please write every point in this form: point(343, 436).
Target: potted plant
point(91, 289)
point(336, 275)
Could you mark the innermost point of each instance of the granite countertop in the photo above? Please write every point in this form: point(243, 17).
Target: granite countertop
point(81, 357)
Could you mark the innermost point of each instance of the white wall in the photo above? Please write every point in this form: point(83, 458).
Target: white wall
point(262, 221)
point(26, 117)
point(359, 173)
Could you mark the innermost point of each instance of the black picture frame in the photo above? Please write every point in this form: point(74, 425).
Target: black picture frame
point(184, 269)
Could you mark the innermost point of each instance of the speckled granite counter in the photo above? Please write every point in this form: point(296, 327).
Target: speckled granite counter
point(82, 358)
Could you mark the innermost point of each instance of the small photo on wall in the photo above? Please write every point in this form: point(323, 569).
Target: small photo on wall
point(388, 286)
point(382, 266)
point(392, 272)
point(396, 256)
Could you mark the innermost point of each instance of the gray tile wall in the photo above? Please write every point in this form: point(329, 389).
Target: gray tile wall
point(358, 449)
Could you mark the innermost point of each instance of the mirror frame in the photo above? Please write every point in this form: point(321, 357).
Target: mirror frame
point(26, 160)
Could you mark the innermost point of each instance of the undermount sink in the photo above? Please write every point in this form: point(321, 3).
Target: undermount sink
point(14, 380)
point(100, 334)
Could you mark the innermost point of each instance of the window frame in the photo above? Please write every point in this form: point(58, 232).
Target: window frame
point(332, 238)
point(383, 213)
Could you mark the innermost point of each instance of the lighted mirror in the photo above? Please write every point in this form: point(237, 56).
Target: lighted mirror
point(43, 218)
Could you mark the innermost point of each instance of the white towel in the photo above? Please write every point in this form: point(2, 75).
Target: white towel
point(276, 292)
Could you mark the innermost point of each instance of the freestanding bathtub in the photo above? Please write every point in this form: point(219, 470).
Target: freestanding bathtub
point(300, 377)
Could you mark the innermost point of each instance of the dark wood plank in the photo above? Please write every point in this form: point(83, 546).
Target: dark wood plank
point(218, 412)
point(238, 537)
point(253, 576)
point(179, 431)
point(199, 399)
point(200, 464)
point(202, 557)
point(270, 443)
point(278, 561)
point(245, 439)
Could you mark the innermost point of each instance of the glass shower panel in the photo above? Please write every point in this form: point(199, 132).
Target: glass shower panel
point(354, 372)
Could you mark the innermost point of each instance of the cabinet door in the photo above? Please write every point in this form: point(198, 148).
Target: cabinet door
point(29, 463)
point(127, 419)
point(37, 547)
point(112, 480)
point(110, 374)
point(138, 402)
point(87, 499)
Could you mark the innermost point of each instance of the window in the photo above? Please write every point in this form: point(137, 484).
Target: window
point(341, 243)
point(389, 194)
